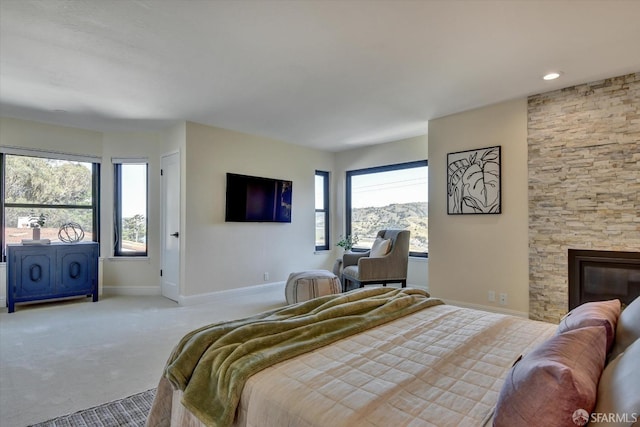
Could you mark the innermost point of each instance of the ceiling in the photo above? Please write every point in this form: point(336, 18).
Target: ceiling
point(327, 74)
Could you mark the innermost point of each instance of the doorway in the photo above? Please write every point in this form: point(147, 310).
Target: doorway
point(170, 177)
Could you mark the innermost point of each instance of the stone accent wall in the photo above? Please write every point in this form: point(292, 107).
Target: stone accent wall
point(584, 181)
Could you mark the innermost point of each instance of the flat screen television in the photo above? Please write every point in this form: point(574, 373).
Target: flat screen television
point(256, 199)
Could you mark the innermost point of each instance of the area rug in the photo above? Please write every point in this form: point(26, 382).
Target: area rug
point(130, 412)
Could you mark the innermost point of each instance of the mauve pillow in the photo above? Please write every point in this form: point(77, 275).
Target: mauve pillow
point(628, 329)
point(598, 313)
point(555, 380)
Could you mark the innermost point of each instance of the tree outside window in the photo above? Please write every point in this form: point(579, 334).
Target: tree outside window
point(130, 206)
point(61, 191)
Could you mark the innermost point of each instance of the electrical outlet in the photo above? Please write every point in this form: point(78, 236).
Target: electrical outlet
point(503, 299)
point(492, 296)
point(265, 276)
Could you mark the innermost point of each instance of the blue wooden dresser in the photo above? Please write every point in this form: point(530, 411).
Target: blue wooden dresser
point(58, 270)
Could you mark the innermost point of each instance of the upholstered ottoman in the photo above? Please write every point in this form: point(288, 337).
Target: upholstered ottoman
point(306, 285)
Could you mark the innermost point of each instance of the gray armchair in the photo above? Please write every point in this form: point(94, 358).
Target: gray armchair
point(361, 269)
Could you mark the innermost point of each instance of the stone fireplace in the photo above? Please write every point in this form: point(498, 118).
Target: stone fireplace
point(583, 167)
point(603, 275)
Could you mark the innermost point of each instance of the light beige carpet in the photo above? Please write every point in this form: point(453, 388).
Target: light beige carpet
point(59, 358)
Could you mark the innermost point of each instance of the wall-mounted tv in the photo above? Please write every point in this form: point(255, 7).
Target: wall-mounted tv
point(255, 199)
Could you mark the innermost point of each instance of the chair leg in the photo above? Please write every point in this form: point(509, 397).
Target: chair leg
point(347, 284)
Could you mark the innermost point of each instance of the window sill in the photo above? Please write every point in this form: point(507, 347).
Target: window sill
point(128, 258)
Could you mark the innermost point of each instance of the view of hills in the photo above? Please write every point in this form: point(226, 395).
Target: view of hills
point(366, 222)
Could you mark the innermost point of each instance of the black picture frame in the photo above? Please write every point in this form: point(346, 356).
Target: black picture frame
point(474, 181)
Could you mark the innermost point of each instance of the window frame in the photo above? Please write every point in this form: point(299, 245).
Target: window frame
point(325, 211)
point(95, 190)
point(377, 169)
point(117, 208)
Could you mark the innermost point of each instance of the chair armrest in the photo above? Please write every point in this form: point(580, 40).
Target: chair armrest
point(351, 258)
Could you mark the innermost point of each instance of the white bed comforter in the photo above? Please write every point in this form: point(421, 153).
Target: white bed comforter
point(442, 366)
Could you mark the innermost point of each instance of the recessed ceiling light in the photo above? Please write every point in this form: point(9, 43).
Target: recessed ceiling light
point(552, 76)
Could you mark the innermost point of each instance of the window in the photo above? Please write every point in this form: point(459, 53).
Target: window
point(322, 210)
point(389, 197)
point(62, 191)
point(130, 207)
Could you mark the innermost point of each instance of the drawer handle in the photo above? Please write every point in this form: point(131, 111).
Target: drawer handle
point(35, 273)
point(74, 270)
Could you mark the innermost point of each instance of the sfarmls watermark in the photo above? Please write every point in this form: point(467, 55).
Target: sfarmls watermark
point(581, 417)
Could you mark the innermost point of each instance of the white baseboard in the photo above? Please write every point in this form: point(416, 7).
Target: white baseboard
point(228, 294)
point(492, 309)
point(217, 296)
point(132, 290)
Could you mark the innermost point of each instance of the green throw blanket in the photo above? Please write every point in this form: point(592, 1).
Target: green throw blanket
point(211, 364)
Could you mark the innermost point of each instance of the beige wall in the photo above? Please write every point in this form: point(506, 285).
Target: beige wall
point(139, 276)
point(406, 150)
point(470, 255)
point(42, 136)
point(136, 274)
point(217, 256)
point(220, 255)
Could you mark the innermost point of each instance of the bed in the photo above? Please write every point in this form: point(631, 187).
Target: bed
point(438, 365)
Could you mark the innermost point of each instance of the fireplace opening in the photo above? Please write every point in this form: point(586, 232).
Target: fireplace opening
point(603, 275)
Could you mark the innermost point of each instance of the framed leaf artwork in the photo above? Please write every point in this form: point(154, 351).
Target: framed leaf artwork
point(474, 182)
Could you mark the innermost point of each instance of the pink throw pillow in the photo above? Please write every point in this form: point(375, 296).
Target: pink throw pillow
point(600, 313)
point(554, 382)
